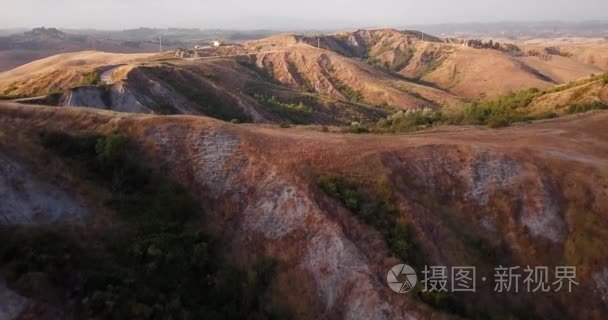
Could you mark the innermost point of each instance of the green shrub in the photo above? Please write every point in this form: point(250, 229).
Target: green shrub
point(495, 113)
point(151, 267)
point(378, 213)
point(298, 113)
point(584, 107)
point(350, 93)
point(605, 78)
point(410, 121)
point(358, 129)
point(498, 122)
point(569, 85)
point(498, 112)
point(91, 78)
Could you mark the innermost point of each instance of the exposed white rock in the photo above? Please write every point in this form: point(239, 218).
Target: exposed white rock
point(335, 264)
point(540, 214)
point(215, 171)
point(490, 173)
point(85, 97)
point(27, 199)
point(123, 100)
point(279, 208)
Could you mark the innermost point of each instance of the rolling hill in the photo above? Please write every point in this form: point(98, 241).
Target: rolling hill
point(272, 80)
point(18, 47)
point(333, 211)
point(40, 43)
point(360, 76)
point(463, 68)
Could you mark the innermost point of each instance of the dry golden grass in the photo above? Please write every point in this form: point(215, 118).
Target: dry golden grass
point(59, 72)
point(567, 156)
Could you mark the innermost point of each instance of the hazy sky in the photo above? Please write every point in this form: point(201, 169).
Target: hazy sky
point(310, 14)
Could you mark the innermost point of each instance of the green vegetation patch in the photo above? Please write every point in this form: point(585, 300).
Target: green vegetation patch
point(409, 121)
point(585, 107)
point(151, 266)
point(296, 113)
point(350, 93)
point(499, 112)
point(91, 78)
point(378, 212)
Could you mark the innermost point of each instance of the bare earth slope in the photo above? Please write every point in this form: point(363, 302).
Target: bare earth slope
point(535, 194)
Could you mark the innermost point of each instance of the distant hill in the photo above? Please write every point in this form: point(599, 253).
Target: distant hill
point(276, 79)
point(468, 68)
point(20, 47)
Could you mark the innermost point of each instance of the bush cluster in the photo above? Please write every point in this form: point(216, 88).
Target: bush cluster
point(584, 107)
point(409, 121)
point(153, 267)
point(91, 78)
point(378, 213)
point(495, 113)
point(296, 113)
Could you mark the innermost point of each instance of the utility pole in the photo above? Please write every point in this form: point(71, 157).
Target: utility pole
point(318, 42)
point(160, 42)
point(422, 35)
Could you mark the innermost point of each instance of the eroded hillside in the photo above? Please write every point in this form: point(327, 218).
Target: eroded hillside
point(455, 65)
point(532, 195)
